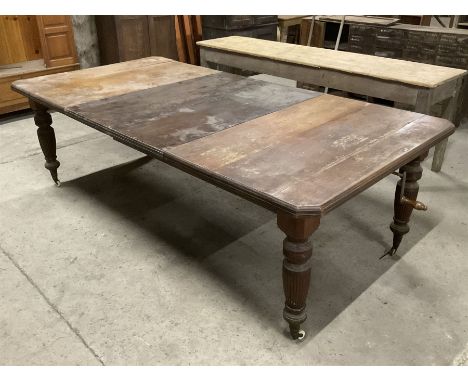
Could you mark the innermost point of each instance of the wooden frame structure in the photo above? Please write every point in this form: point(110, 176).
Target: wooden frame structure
point(390, 79)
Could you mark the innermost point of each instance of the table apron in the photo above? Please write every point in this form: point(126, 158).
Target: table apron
point(446, 90)
point(354, 83)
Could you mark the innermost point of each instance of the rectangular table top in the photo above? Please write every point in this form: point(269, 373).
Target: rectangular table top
point(388, 69)
point(72, 88)
point(373, 20)
point(288, 149)
point(290, 17)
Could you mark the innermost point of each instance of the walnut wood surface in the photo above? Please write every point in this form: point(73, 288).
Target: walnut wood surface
point(287, 149)
point(312, 156)
point(402, 211)
point(297, 250)
point(170, 115)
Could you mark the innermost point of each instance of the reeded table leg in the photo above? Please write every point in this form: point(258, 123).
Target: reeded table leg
point(46, 135)
point(297, 250)
point(402, 209)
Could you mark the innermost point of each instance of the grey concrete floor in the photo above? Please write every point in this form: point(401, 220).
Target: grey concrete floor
point(132, 262)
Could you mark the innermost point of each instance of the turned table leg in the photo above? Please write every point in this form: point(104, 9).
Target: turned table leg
point(297, 250)
point(46, 136)
point(406, 202)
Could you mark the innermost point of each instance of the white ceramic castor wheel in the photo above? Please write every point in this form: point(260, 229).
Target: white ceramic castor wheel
point(302, 335)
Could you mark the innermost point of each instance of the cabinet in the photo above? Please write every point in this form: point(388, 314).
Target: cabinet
point(123, 38)
point(32, 46)
point(262, 27)
point(56, 33)
point(429, 45)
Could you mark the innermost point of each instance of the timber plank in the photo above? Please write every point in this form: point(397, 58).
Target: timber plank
point(399, 71)
point(288, 149)
point(161, 117)
point(189, 39)
point(373, 20)
point(73, 88)
point(309, 158)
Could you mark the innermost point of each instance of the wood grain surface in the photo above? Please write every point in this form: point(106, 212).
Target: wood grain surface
point(290, 17)
point(296, 152)
point(312, 156)
point(73, 88)
point(373, 20)
point(411, 73)
point(285, 148)
point(170, 115)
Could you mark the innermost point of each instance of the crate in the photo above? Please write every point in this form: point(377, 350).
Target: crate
point(361, 39)
point(237, 21)
point(422, 57)
point(415, 36)
point(447, 50)
point(358, 39)
point(451, 61)
point(447, 39)
point(363, 49)
point(388, 33)
point(432, 38)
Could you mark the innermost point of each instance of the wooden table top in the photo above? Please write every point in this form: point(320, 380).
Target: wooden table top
point(373, 20)
point(85, 85)
point(388, 69)
point(285, 148)
point(290, 17)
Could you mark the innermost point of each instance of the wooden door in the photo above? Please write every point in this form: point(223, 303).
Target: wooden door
point(132, 37)
point(162, 36)
point(19, 39)
point(58, 44)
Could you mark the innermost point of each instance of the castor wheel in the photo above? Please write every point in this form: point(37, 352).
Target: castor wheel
point(297, 334)
point(301, 335)
point(57, 183)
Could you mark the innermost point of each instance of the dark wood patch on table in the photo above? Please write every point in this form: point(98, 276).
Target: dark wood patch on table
point(170, 115)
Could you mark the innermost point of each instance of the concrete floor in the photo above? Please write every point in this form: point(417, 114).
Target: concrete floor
point(132, 262)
